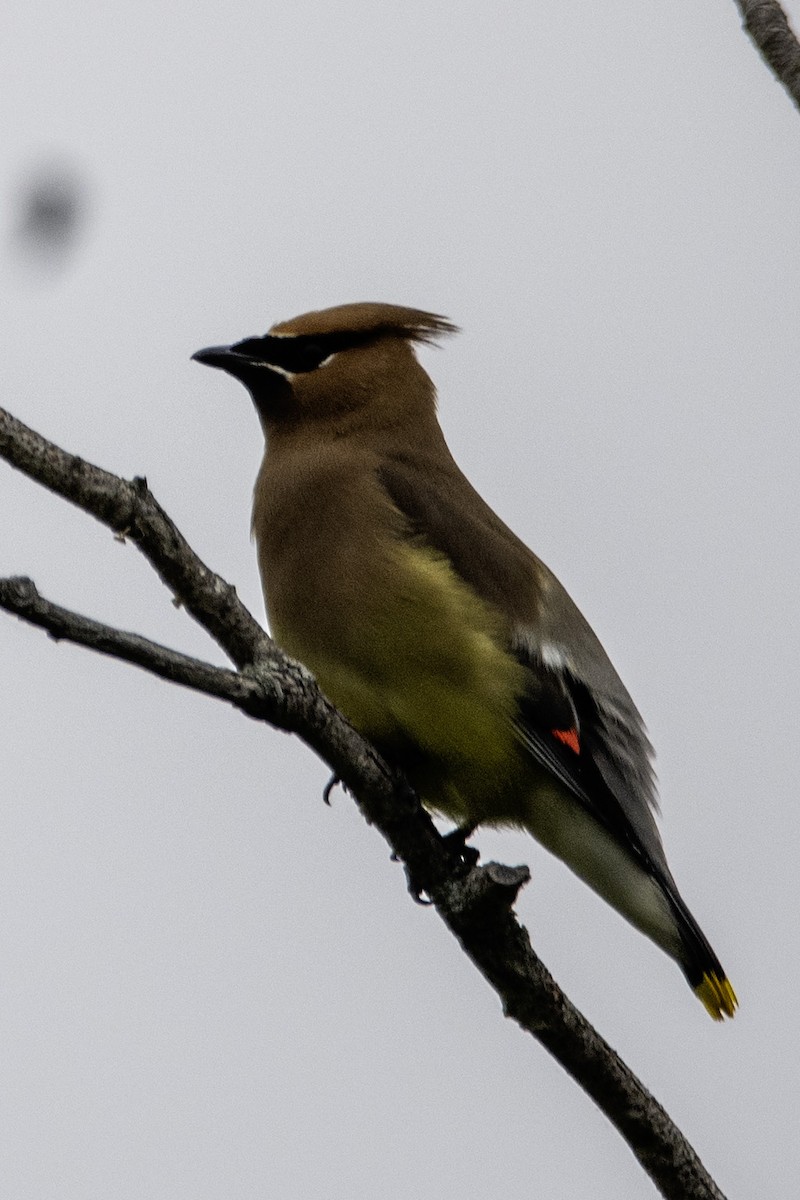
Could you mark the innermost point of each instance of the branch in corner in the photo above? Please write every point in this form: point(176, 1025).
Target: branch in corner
point(476, 903)
point(769, 28)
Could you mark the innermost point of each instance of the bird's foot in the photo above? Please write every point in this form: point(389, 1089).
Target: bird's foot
point(456, 841)
point(333, 782)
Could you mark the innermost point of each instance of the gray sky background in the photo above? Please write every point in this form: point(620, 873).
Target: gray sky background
point(210, 984)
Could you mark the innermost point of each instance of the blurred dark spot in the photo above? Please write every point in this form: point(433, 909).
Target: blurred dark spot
point(50, 215)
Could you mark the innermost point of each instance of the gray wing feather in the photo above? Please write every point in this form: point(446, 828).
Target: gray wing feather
point(546, 628)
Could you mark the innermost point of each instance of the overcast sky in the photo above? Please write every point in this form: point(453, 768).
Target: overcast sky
point(211, 985)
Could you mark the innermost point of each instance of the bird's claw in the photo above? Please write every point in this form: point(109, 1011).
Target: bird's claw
point(333, 782)
point(415, 891)
point(456, 840)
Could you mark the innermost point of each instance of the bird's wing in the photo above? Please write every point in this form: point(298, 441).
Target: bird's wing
point(577, 718)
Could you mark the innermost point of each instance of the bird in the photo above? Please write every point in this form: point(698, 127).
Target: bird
point(441, 637)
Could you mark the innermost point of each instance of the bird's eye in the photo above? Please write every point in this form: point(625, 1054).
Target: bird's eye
point(298, 354)
point(310, 355)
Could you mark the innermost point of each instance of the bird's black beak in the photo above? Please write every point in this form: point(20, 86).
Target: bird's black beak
point(216, 356)
point(244, 361)
point(238, 360)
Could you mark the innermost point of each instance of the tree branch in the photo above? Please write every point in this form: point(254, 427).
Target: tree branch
point(20, 596)
point(131, 511)
point(474, 902)
point(768, 26)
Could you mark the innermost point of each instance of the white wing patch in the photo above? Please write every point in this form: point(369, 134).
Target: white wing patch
point(553, 656)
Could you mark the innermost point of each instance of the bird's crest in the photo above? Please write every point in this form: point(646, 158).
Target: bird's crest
point(365, 319)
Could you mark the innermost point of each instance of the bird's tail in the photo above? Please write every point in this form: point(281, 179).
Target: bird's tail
point(701, 966)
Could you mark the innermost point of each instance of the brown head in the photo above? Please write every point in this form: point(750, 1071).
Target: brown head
point(351, 366)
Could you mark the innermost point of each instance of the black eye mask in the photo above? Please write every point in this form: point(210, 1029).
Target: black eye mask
point(299, 353)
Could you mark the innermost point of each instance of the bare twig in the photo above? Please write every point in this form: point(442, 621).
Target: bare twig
point(129, 508)
point(21, 597)
point(768, 26)
point(475, 902)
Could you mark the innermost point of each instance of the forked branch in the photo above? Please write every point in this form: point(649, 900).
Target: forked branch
point(475, 902)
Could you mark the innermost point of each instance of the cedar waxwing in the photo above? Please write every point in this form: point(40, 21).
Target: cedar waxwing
point(442, 638)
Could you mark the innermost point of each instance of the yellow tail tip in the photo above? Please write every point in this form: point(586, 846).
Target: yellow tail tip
point(717, 995)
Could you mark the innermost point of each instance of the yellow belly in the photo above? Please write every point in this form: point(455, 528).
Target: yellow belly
point(422, 667)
